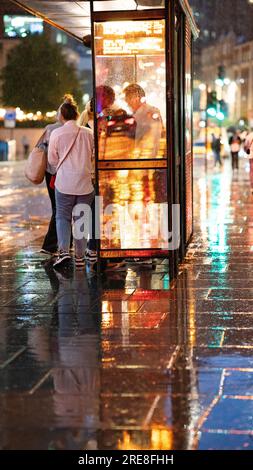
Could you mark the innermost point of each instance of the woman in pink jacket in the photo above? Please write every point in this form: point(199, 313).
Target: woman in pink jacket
point(70, 152)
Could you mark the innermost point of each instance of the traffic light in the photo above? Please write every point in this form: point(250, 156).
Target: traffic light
point(221, 72)
point(224, 108)
point(211, 107)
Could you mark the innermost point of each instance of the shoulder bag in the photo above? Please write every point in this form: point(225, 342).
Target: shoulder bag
point(36, 163)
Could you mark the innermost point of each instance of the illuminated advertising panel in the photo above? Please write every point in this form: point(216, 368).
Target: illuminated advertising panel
point(127, 53)
point(134, 209)
point(131, 133)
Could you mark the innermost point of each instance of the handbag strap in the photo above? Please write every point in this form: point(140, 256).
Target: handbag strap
point(41, 138)
point(69, 150)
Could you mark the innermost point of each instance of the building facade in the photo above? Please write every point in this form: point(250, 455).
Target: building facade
point(216, 18)
point(237, 88)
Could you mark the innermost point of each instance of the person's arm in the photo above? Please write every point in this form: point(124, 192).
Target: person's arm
point(250, 150)
point(247, 143)
point(53, 156)
point(47, 135)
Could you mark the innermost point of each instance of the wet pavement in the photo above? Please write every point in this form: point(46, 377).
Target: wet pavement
point(126, 360)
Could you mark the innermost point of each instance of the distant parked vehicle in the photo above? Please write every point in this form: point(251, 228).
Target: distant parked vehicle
point(122, 123)
point(199, 147)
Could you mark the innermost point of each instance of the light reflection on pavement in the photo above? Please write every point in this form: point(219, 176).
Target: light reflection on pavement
point(122, 361)
point(24, 208)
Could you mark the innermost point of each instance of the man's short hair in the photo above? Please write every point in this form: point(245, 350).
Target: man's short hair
point(134, 90)
point(105, 91)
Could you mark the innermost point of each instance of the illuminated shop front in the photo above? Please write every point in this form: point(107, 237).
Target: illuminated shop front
point(142, 70)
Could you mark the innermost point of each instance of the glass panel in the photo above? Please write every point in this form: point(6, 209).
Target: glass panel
point(131, 89)
point(135, 211)
point(188, 98)
point(188, 134)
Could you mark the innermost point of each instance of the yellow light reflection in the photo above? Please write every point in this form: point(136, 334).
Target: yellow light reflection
point(107, 314)
point(192, 320)
point(138, 199)
point(157, 439)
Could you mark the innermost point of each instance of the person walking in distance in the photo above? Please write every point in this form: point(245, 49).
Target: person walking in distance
point(250, 153)
point(235, 145)
point(26, 146)
point(247, 148)
point(216, 148)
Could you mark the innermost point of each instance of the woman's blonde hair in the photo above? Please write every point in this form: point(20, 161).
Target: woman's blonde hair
point(87, 114)
point(69, 109)
point(68, 98)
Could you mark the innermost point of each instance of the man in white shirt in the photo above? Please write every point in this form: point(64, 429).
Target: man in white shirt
point(148, 122)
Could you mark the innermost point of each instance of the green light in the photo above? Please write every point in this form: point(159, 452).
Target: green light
point(220, 116)
point(211, 112)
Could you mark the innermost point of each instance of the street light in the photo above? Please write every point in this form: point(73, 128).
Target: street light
point(209, 108)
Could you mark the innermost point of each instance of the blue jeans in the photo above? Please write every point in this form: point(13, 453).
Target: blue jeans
point(65, 204)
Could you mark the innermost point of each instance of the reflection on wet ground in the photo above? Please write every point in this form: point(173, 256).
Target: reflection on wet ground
point(124, 361)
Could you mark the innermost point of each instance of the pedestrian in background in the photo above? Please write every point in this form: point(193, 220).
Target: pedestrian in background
point(216, 148)
point(235, 145)
point(249, 151)
point(26, 146)
point(247, 148)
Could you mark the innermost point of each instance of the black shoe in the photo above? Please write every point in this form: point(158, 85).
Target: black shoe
point(61, 259)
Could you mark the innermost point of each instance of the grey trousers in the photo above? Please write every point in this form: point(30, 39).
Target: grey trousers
point(77, 208)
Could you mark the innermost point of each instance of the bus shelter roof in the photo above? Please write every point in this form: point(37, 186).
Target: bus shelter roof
point(73, 17)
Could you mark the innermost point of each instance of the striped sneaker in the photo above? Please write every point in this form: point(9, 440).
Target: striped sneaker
point(90, 255)
point(61, 258)
point(79, 262)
